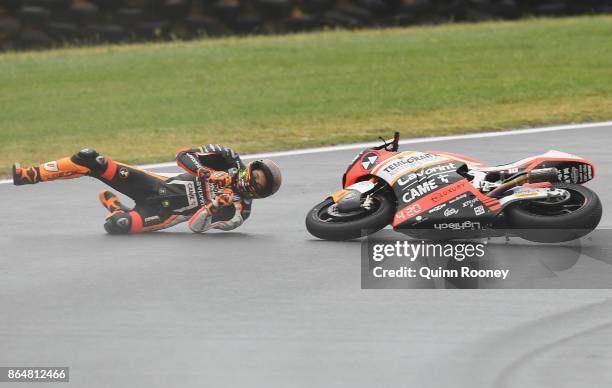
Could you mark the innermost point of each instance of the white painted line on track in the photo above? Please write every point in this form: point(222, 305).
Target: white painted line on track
point(481, 135)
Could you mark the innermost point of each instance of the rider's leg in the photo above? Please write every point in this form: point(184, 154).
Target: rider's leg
point(111, 202)
point(84, 162)
point(141, 219)
point(131, 181)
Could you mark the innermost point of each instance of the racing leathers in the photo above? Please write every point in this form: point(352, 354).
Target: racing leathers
point(205, 195)
point(218, 211)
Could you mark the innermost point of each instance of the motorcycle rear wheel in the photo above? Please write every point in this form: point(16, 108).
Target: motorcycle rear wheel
point(338, 226)
point(550, 221)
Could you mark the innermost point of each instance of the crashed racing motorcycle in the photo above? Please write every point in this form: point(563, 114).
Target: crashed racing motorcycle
point(441, 195)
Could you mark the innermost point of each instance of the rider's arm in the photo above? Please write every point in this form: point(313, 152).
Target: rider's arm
point(227, 154)
point(201, 221)
point(188, 160)
point(193, 160)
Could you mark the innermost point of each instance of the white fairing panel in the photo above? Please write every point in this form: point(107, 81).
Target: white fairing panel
point(552, 154)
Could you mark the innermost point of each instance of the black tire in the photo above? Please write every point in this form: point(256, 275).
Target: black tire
point(549, 222)
point(352, 228)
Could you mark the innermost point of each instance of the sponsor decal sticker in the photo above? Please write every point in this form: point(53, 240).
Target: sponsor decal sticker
point(458, 225)
point(470, 202)
point(200, 191)
point(124, 172)
point(412, 178)
point(439, 207)
point(195, 160)
point(407, 212)
point(479, 210)
point(448, 191)
point(369, 160)
point(420, 190)
point(443, 178)
point(410, 162)
point(151, 219)
point(450, 212)
point(191, 194)
point(51, 166)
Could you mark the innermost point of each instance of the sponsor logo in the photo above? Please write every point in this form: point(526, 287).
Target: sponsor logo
point(420, 190)
point(443, 178)
point(564, 175)
point(462, 196)
point(574, 174)
point(459, 225)
point(200, 191)
point(194, 160)
point(163, 191)
point(450, 212)
point(51, 166)
point(369, 160)
point(417, 175)
point(151, 219)
point(411, 161)
point(124, 172)
point(191, 194)
point(439, 207)
point(165, 203)
point(123, 222)
point(527, 194)
point(479, 210)
point(448, 191)
point(407, 212)
point(470, 202)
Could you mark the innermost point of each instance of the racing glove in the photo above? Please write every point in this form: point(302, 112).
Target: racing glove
point(204, 172)
point(201, 220)
point(220, 178)
point(223, 199)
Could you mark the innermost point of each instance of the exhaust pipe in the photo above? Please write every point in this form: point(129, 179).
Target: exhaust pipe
point(533, 176)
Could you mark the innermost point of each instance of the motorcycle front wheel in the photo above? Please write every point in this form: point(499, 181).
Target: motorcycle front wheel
point(326, 222)
point(556, 220)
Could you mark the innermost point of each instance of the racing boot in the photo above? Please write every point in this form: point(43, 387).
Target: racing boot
point(63, 168)
point(111, 202)
point(25, 176)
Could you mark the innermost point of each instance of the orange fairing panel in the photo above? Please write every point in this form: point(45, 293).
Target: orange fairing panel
point(339, 195)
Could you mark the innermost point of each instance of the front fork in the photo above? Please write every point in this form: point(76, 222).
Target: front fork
point(349, 198)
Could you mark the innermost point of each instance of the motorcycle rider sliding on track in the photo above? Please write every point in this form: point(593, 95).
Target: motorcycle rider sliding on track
point(216, 191)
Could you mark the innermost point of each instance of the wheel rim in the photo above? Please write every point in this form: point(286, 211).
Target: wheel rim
point(555, 207)
point(330, 214)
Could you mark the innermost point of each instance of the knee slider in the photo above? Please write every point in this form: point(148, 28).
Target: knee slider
point(91, 159)
point(118, 223)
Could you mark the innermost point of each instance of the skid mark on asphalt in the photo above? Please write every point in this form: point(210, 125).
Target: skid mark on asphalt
point(510, 358)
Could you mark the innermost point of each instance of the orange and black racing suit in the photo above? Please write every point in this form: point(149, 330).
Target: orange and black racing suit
point(161, 202)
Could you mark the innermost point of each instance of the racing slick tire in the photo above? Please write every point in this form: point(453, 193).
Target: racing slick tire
point(549, 221)
point(349, 226)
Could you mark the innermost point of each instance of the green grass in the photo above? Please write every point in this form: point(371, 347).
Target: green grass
point(140, 103)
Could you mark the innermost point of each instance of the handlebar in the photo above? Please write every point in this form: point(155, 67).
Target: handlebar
point(390, 144)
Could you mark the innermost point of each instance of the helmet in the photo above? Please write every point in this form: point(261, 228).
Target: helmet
point(246, 184)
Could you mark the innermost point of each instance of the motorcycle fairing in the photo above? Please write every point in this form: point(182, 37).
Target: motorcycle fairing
point(572, 168)
point(456, 200)
point(363, 164)
point(424, 182)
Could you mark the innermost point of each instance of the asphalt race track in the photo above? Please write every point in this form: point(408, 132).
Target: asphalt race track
point(269, 306)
